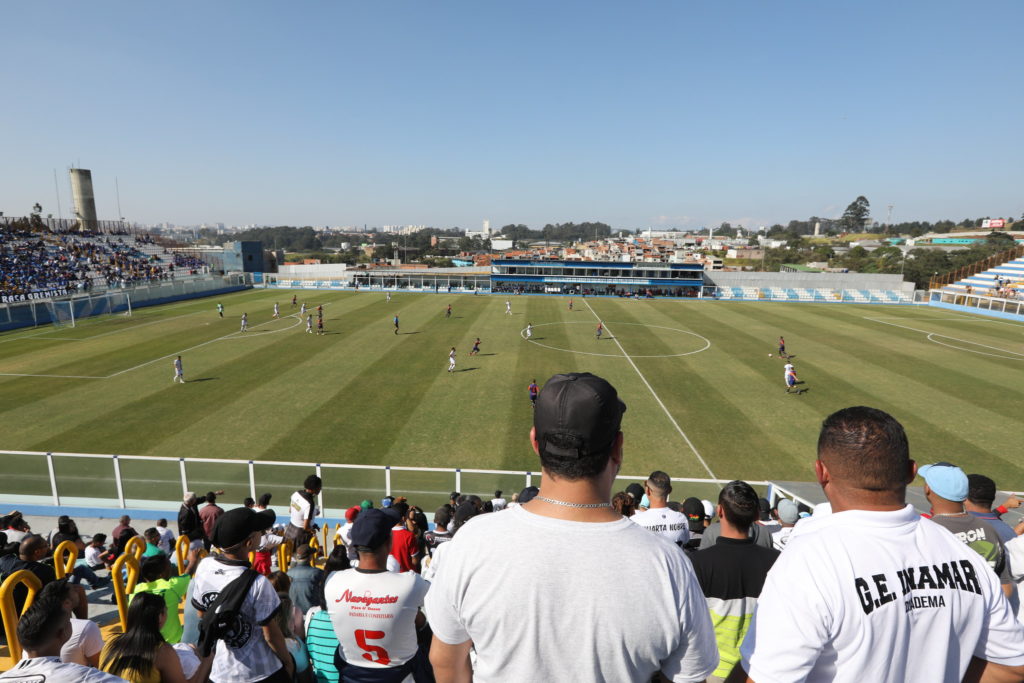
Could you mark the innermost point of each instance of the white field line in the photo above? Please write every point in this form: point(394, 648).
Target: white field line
point(935, 336)
point(655, 395)
point(232, 335)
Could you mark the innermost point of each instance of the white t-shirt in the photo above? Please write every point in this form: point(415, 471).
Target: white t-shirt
point(781, 537)
point(523, 578)
point(92, 556)
point(878, 596)
point(299, 509)
point(664, 521)
point(51, 669)
point(392, 564)
point(499, 504)
point(243, 657)
point(166, 539)
point(374, 615)
point(787, 368)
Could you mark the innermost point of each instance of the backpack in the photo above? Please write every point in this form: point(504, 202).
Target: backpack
point(220, 618)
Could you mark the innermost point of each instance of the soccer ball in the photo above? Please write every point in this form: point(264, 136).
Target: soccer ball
point(769, 355)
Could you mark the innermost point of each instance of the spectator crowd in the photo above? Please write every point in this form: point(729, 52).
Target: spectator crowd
point(566, 581)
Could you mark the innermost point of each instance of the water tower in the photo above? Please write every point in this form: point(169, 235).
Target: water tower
point(85, 201)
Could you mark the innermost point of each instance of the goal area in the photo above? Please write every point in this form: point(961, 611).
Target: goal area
point(67, 312)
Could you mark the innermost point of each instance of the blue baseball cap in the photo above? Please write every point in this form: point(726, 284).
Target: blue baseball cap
point(946, 480)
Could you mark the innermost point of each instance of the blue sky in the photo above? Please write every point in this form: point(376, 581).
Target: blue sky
point(675, 113)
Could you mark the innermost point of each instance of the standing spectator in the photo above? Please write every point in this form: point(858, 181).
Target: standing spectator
point(498, 503)
point(321, 641)
point(874, 592)
point(765, 518)
point(945, 487)
point(123, 524)
point(572, 627)
point(209, 514)
point(695, 521)
point(190, 524)
point(303, 511)
point(404, 547)
point(732, 572)
point(787, 513)
point(981, 495)
point(345, 532)
point(166, 542)
point(248, 502)
point(391, 643)
point(263, 503)
point(256, 651)
point(622, 503)
point(306, 579)
point(42, 632)
point(86, 641)
point(439, 534)
point(659, 517)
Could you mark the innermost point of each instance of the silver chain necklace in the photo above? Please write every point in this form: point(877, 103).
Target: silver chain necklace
point(552, 501)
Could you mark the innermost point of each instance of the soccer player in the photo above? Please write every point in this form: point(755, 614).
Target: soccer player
point(790, 376)
point(389, 297)
point(277, 310)
point(320, 309)
point(448, 311)
point(782, 348)
point(570, 304)
point(451, 360)
point(178, 373)
point(220, 309)
point(600, 330)
point(245, 322)
point(320, 325)
point(295, 300)
point(508, 307)
point(476, 347)
point(302, 311)
point(396, 324)
point(534, 390)
point(529, 331)
point(309, 324)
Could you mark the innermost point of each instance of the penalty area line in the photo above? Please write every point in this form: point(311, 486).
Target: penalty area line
point(655, 395)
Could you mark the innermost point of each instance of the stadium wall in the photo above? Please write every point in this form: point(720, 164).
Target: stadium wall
point(34, 313)
point(724, 278)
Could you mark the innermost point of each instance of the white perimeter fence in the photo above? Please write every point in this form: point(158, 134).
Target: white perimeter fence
point(143, 482)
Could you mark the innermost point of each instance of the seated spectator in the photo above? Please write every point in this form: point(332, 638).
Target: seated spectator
point(42, 632)
point(282, 584)
point(30, 552)
point(140, 654)
point(732, 572)
point(305, 580)
point(321, 641)
point(124, 524)
point(152, 537)
point(17, 528)
point(86, 641)
point(95, 551)
point(296, 646)
point(166, 542)
point(157, 578)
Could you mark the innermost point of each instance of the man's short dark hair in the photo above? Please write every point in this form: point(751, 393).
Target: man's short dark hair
point(402, 508)
point(265, 500)
point(981, 490)
point(248, 502)
point(161, 522)
point(40, 623)
point(660, 483)
point(865, 448)
point(153, 567)
point(443, 516)
point(151, 535)
point(497, 494)
point(739, 504)
point(59, 590)
point(313, 483)
point(211, 497)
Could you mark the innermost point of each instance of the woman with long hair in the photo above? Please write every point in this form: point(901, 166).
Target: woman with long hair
point(140, 654)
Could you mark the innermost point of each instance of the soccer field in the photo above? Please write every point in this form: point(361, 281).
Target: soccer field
point(704, 398)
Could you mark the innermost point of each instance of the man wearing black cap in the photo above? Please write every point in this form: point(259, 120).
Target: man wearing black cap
point(375, 613)
point(533, 590)
point(246, 655)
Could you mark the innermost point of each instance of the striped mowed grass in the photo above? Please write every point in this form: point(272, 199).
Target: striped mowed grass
point(704, 398)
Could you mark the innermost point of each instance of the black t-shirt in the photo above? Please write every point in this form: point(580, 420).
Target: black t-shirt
point(12, 563)
point(733, 568)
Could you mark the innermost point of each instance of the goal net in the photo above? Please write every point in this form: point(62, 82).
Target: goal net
point(67, 313)
point(62, 313)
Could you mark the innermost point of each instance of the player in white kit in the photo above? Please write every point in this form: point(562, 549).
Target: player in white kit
point(245, 322)
point(309, 323)
point(451, 360)
point(508, 307)
point(302, 309)
point(178, 373)
point(277, 311)
point(529, 331)
point(389, 297)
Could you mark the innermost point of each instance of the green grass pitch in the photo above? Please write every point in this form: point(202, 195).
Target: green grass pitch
point(703, 394)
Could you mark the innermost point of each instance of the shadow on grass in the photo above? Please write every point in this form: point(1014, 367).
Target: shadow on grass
point(203, 379)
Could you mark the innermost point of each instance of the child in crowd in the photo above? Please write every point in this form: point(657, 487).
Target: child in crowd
point(94, 553)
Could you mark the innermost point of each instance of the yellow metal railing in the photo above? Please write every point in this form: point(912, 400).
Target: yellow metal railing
point(10, 614)
point(64, 557)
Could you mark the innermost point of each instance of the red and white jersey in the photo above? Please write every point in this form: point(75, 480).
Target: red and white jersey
point(374, 615)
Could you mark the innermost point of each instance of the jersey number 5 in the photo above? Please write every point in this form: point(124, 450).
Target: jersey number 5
point(382, 655)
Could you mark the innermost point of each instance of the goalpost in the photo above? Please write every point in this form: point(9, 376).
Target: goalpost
point(62, 313)
point(67, 313)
